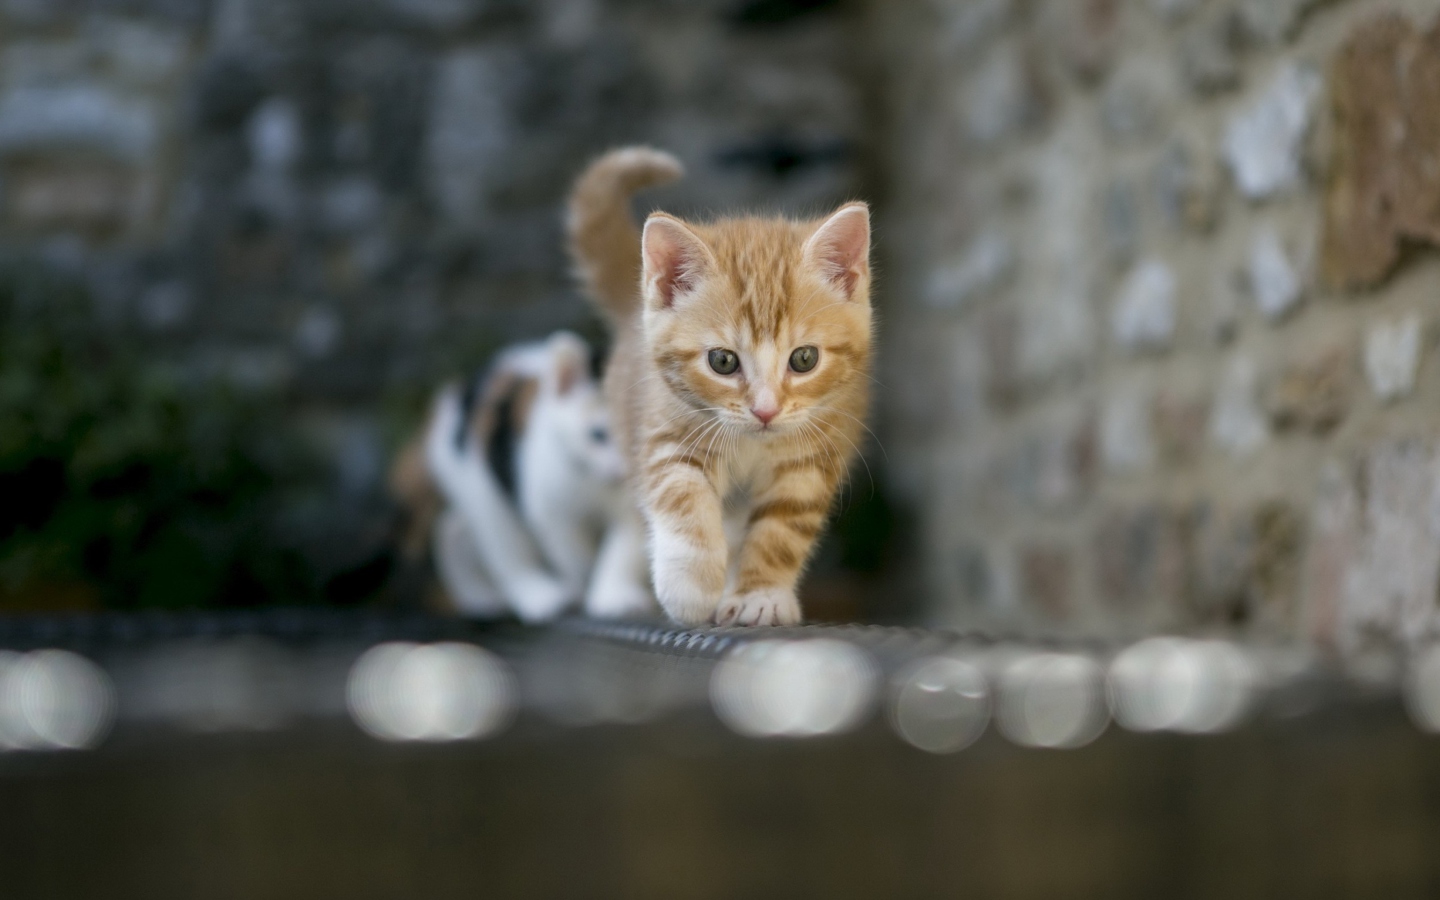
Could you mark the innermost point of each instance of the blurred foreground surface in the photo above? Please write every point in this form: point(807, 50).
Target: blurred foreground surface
point(589, 760)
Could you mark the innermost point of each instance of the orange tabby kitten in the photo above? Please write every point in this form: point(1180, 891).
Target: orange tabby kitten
point(739, 382)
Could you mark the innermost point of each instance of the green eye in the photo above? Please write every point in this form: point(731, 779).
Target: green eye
point(804, 358)
point(724, 362)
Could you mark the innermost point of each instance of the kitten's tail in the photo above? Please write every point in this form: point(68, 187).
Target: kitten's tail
point(604, 240)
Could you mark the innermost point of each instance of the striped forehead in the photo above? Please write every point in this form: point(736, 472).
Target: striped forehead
point(762, 282)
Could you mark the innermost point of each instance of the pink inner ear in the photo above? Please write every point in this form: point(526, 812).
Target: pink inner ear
point(673, 258)
point(841, 247)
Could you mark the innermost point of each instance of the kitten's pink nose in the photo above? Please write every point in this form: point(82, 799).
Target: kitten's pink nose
point(765, 413)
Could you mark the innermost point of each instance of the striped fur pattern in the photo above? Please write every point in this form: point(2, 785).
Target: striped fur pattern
point(735, 469)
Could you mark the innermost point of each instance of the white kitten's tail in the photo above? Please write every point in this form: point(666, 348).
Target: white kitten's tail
point(604, 239)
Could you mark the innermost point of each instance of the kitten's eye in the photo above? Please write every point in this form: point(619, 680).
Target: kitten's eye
point(724, 362)
point(804, 358)
point(598, 435)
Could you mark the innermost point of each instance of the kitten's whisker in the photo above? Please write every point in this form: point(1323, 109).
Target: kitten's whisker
point(861, 423)
point(868, 474)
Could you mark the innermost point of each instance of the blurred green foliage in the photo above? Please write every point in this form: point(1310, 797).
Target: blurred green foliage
point(125, 483)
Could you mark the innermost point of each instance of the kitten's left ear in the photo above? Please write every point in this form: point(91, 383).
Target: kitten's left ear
point(570, 362)
point(840, 248)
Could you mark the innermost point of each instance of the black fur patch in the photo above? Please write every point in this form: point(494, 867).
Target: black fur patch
point(501, 449)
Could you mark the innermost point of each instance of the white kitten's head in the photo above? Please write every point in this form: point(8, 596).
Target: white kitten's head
point(574, 407)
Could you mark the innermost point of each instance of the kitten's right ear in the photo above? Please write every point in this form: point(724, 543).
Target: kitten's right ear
point(675, 260)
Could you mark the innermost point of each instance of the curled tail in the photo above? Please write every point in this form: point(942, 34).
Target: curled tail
point(604, 240)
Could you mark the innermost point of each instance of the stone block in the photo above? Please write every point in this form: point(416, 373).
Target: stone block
point(1053, 466)
point(469, 129)
point(1120, 216)
point(1222, 311)
point(1174, 10)
point(1392, 356)
point(1178, 421)
point(1384, 190)
point(1390, 584)
point(1313, 394)
point(137, 52)
point(1274, 21)
point(1082, 34)
point(1137, 98)
point(1263, 141)
point(1187, 186)
point(1002, 98)
point(83, 117)
point(1236, 423)
point(1057, 331)
point(165, 305)
point(1126, 444)
point(964, 26)
point(1246, 563)
point(42, 63)
point(91, 198)
point(1275, 282)
point(1001, 328)
point(985, 263)
point(1332, 550)
point(1046, 579)
point(350, 205)
point(1140, 558)
point(1210, 52)
point(975, 575)
point(1144, 313)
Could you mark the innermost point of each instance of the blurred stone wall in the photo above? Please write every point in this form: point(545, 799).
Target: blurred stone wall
point(1162, 308)
point(342, 201)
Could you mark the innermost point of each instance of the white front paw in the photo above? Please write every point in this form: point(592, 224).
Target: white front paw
point(683, 597)
point(540, 599)
point(765, 606)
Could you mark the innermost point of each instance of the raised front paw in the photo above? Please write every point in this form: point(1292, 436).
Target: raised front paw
point(763, 606)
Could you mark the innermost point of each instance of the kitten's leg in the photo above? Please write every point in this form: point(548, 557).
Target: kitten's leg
point(569, 546)
point(617, 587)
point(461, 569)
point(784, 522)
point(687, 538)
point(509, 556)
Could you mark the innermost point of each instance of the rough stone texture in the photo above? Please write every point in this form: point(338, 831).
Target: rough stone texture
point(1392, 356)
point(1245, 563)
point(1140, 558)
point(1385, 186)
point(982, 266)
point(1274, 21)
point(1236, 423)
point(1210, 52)
point(1179, 421)
point(1390, 585)
point(1275, 284)
point(1083, 33)
point(1263, 142)
point(1198, 270)
point(1003, 99)
point(1145, 309)
point(1125, 439)
point(1187, 181)
point(1313, 394)
point(1045, 579)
